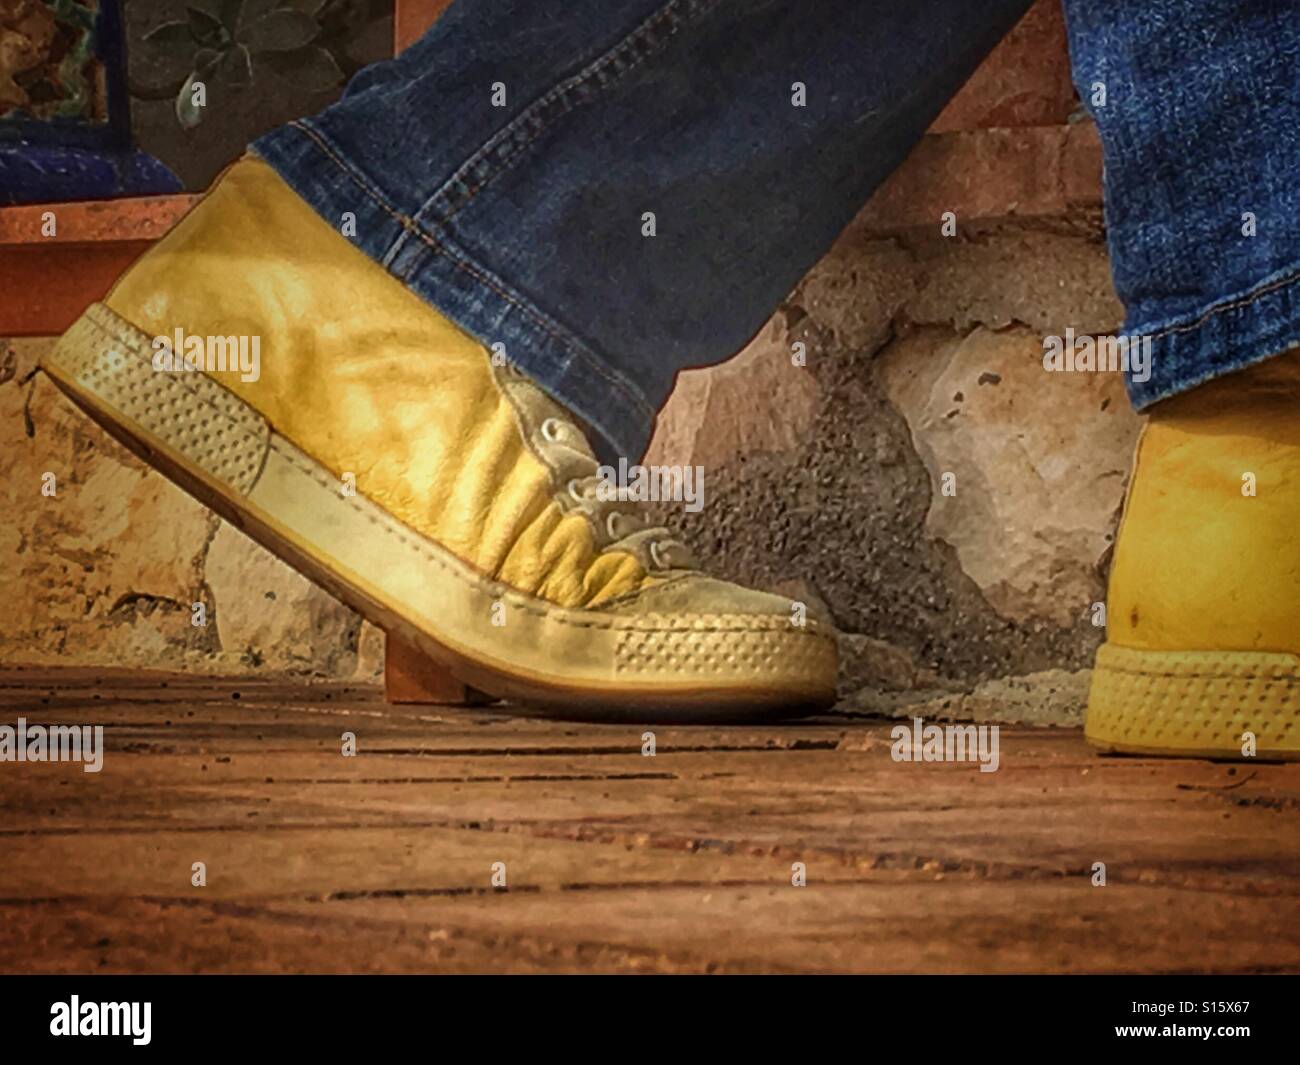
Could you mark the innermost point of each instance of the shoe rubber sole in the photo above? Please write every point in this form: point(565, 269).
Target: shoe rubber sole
point(1195, 703)
point(578, 663)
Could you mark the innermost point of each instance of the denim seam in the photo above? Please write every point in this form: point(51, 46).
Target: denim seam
point(533, 121)
point(1231, 304)
point(461, 261)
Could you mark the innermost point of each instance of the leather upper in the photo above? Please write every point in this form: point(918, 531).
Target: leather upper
point(368, 379)
point(1199, 564)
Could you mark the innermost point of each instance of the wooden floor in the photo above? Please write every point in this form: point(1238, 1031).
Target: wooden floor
point(614, 861)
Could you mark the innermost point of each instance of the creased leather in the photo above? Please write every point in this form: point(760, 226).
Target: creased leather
point(365, 377)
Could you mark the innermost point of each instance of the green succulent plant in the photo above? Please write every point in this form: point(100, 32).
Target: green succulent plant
point(233, 41)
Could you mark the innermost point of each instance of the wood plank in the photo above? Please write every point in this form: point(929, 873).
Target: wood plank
point(615, 862)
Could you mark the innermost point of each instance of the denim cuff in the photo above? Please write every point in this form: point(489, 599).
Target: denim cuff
point(432, 266)
point(1220, 338)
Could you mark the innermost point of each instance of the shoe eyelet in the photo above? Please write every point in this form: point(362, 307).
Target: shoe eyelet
point(551, 430)
point(611, 522)
point(656, 559)
point(575, 493)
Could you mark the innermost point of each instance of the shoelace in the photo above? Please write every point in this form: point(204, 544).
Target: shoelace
point(623, 518)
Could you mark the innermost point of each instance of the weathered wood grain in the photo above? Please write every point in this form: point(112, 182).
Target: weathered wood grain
point(614, 861)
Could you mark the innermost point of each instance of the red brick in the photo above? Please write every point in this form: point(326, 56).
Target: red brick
point(1025, 81)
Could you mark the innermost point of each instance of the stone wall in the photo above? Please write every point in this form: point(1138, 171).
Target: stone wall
point(107, 570)
point(826, 482)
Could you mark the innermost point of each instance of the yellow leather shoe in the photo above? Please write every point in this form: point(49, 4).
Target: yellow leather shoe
point(374, 446)
point(1203, 637)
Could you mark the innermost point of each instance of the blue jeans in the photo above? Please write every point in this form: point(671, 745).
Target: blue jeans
point(511, 166)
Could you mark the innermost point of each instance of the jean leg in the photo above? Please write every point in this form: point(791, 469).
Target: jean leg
point(615, 190)
point(1198, 105)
